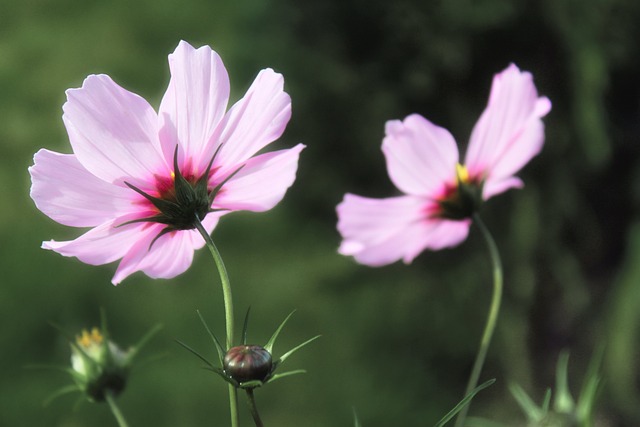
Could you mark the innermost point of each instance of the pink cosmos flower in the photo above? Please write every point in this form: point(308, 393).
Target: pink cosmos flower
point(139, 178)
point(441, 195)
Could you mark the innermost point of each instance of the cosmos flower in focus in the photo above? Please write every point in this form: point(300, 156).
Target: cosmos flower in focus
point(139, 179)
point(440, 193)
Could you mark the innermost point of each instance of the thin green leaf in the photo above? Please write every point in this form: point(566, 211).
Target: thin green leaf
point(590, 388)
point(296, 348)
point(563, 402)
point(527, 405)
point(198, 355)
point(464, 402)
point(481, 422)
point(356, 421)
point(221, 351)
point(546, 403)
point(272, 340)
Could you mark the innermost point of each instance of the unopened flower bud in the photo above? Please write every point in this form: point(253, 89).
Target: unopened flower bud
point(100, 365)
point(248, 363)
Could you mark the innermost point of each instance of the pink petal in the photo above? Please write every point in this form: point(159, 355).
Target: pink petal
point(421, 157)
point(113, 132)
point(255, 121)
point(494, 186)
point(105, 243)
point(67, 193)
point(170, 255)
point(377, 232)
point(510, 131)
point(194, 104)
point(262, 182)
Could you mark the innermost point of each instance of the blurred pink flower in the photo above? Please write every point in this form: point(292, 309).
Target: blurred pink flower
point(132, 168)
point(441, 195)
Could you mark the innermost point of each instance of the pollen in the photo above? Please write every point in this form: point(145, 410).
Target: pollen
point(462, 174)
point(87, 339)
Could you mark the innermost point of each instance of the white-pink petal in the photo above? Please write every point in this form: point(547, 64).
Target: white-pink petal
point(256, 120)
point(113, 132)
point(194, 104)
point(261, 183)
point(510, 131)
point(67, 193)
point(105, 243)
point(421, 157)
point(377, 232)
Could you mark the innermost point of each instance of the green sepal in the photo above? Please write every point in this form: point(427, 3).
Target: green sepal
point(245, 326)
point(198, 355)
point(71, 388)
point(286, 374)
point(251, 384)
point(272, 340)
point(294, 349)
point(142, 342)
point(222, 375)
point(216, 342)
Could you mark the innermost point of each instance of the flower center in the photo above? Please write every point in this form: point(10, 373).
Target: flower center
point(88, 340)
point(461, 199)
point(184, 200)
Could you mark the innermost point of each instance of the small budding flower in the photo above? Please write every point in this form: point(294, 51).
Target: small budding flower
point(99, 366)
point(248, 363)
point(248, 366)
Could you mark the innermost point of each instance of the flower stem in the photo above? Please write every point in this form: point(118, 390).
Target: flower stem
point(253, 408)
point(228, 312)
point(115, 410)
point(492, 317)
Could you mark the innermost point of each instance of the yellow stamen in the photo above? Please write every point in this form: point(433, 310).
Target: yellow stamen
point(462, 173)
point(86, 339)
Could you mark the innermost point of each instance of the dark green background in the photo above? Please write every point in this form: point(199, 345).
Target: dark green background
point(398, 341)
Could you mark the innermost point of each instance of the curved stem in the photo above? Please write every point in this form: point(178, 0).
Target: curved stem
point(228, 311)
point(492, 317)
point(253, 408)
point(115, 410)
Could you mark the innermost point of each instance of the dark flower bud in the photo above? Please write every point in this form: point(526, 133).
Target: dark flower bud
point(248, 363)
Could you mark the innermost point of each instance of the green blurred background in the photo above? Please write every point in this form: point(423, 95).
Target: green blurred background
point(398, 341)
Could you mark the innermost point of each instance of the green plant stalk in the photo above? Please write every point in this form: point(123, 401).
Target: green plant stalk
point(228, 312)
point(115, 410)
point(492, 317)
point(253, 408)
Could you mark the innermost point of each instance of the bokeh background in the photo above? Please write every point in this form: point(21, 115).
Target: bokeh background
point(397, 342)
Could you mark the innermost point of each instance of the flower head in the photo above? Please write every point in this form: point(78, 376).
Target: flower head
point(139, 179)
point(249, 366)
point(440, 193)
point(98, 365)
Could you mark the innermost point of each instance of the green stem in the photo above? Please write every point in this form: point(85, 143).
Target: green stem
point(228, 312)
point(253, 408)
point(115, 410)
point(492, 317)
